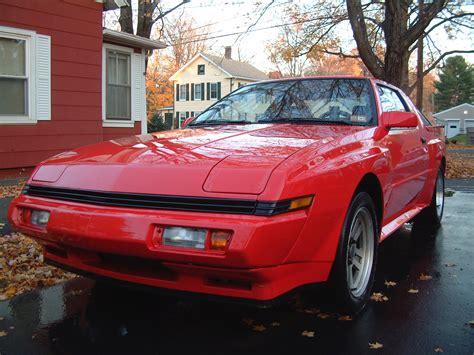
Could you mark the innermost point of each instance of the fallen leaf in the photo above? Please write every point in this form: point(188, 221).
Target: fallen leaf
point(259, 328)
point(275, 324)
point(11, 291)
point(390, 283)
point(311, 311)
point(438, 350)
point(307, 333)
point(344, 318)
point(3, 333)
point(375, 345)
point(379, 297)
point(323, 315)
point(1, 318)
point(11, 327)
point(471, 323)
point(450, 265)
point(247, 321)
point(424, 277)
point(412, 290)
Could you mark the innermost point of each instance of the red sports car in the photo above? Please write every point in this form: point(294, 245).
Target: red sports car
point(277, 185)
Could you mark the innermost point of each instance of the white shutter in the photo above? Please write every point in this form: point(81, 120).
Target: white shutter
point(43, 77)
point(139, 89)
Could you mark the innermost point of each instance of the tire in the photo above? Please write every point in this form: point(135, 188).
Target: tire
point(429, 219)
point(352, 281)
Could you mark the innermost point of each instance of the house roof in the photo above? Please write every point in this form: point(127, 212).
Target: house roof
point(232, 68)
point(466, 105)
point(130, 40)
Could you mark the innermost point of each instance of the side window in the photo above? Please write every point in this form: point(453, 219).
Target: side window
point(390, 100)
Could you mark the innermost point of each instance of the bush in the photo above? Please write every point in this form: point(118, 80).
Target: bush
point(156, 123)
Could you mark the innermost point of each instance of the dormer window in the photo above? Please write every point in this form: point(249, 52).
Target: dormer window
point(201, 69)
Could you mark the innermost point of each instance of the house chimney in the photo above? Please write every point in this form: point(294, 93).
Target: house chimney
point(228, 52)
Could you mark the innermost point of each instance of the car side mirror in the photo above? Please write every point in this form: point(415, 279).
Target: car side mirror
point(186, 122)
point(399, 119)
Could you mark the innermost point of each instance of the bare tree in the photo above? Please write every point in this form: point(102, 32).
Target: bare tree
point(386, 33)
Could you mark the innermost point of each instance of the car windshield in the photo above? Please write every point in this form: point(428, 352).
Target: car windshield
point(320, 101)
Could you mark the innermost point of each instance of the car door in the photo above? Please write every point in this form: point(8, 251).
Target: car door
point(408, 156)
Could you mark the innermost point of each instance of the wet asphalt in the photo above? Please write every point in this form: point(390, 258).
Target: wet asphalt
point(85, 317)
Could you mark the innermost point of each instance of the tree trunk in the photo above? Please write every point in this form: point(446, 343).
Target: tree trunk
point(126, 20)
point(396, 55)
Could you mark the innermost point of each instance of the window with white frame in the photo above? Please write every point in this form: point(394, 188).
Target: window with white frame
point(198, 92)
point(25, 76)
point(213, 91)
point(14, 75)
point(118, 90)
point(182, 93)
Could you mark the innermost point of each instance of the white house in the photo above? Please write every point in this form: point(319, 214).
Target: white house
point(456, 119)
point(205, 79)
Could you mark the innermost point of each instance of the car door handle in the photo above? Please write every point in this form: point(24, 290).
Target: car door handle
point(423, 140)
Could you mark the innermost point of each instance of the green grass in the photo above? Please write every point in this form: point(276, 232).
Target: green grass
point(460, 138)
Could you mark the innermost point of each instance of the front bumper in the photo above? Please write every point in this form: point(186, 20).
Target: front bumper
point(116, 242)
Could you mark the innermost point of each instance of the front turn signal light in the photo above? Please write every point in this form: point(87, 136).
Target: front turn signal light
point(300, 202)
point(220, 240)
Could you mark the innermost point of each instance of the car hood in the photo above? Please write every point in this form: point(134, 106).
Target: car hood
point(191, 162)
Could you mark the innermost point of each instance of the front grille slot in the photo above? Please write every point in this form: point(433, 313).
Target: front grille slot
point(147, 201)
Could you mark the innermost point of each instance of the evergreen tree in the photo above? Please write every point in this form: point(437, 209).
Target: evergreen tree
point(156, 123)
point(455, 85)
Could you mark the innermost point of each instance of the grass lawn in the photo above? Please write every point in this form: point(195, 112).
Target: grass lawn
point(460, 138)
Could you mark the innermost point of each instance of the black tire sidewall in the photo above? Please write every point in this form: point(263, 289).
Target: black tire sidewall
point(347, 300)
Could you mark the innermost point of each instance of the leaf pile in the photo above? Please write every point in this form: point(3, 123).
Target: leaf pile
point(22, 268)
point(460, 165)
point(11, 190)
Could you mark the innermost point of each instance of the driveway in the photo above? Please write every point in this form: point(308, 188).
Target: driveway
point(419, 317)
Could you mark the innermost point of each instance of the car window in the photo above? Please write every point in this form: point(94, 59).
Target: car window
point(320, 101)
point(390, 100)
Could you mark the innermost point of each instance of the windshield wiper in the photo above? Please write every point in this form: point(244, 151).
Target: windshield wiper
point(220, 122)
point(305, 120)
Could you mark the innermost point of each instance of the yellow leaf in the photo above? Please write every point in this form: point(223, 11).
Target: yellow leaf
point(424, 277)
point(307, 333)
point(3, 333)
point(323, 315)
point(11, 291)
point(412, 290)
point(375, 345)
point(379, 297)
point(259, 328)
point(344, 318)
point(390, 283)
point(438, 350)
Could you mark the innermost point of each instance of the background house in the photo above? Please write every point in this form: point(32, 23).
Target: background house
point(456, 119)
point(205, 79)
point(64, 80)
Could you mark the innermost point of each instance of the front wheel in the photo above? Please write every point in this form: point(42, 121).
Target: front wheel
point(354, 267)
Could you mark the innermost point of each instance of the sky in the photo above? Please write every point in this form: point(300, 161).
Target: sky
point(231, 16)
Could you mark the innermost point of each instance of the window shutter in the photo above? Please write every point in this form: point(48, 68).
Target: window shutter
point(208, 91)
point(202, 91)
point(192, 114)
point(177, 92)
point(138, 88)
point(43, 77)
point(177, 120)
point(192, 92)
point(187, 92)
point(218, 91)
point(187, 114)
